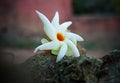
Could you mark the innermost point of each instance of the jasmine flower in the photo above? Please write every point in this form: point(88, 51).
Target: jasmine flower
point(63, 42)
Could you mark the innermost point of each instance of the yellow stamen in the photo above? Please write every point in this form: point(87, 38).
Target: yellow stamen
point(60, 36)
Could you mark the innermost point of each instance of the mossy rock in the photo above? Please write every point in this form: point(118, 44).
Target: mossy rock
point(110, 69)
point(44, 69)
point(84, 69)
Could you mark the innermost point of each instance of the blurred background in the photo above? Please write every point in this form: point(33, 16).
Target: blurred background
point(97, 21)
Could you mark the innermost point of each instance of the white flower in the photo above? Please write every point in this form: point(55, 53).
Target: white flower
point(63, 42)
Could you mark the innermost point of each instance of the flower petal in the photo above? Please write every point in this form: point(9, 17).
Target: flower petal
point(43, 40)
point(48, 27)
point(62, 52)
point(73, 48)
point(73, 36)
point(55, 52)
point(69, 52)
point(55, 20)
point(48, 46)
point(65, 25)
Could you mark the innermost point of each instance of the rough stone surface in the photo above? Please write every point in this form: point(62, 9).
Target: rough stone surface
point(42, 68)
point(84, 69)
point(110, 69)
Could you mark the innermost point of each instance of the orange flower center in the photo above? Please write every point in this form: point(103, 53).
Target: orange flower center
point(60, 36)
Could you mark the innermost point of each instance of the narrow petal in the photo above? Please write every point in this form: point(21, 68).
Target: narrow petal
point(73, 48)
point(69, 52)
point(55, 20)
point(37, 48)
point(65, 25)
point(74, 36)
point(70, 37)
point(62, 52)
point(48, 27)
point(48, 46)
